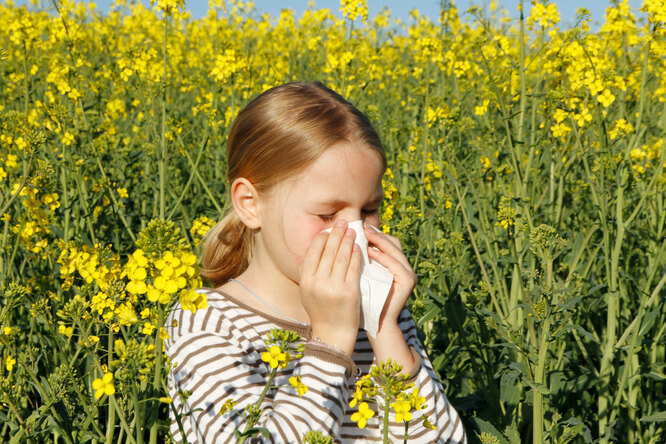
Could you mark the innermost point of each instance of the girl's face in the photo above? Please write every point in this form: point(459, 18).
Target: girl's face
point(345, 182)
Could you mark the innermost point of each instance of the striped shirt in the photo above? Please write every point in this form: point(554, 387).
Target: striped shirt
point(216, 356)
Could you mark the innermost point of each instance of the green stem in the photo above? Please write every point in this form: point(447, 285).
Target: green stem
point(539, 374)
point(138, 416)
point(157, 377)
point(386, 421)
point(111, 420)
point(251, 423)
point(163, 163)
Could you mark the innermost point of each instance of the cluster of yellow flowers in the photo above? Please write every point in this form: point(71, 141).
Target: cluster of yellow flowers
point(172, 274)
point(386, 384)
point(201, 226)
point(353, 9)
point(40, 205)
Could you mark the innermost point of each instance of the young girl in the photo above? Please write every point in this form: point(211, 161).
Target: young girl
point(301, 160)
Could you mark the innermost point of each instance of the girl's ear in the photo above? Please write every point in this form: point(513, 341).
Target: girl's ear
point(244, 197)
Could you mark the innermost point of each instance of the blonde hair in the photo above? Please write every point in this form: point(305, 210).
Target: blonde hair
point(277, 136)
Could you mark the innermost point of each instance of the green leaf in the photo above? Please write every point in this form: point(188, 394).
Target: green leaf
point(487, 427)
point(510, 392)
point(17, 439)
point(432, 312)
point(655, 417)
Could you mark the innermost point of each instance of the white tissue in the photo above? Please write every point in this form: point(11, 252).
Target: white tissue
point(375, 283)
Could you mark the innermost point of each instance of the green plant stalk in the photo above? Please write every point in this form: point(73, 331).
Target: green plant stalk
point(116, 205)
point(251, 424)
point(123, 422)
point(138, 416)
point(163, 160)
point(111, 420)
point(385, 429)
point(493, 297)
point(20, 420)
point(539, 374)
point(26, 81)
point(406, 432)
point(157, 377)
point(612, 301)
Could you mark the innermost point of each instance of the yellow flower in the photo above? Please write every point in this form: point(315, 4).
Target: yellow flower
point(481, 109)
point(67, 331)
point(122, 192)
point(67, 138)
point(227, 406)
point(364, 413)
point(9, 363)
point(163, 334)
point(148, 328)
point(606, 98)
point(275, 357)
point(191, 300)
point(352, 9)
point(417, 402)
point(356, 397)
point(401, 407)
point(104, 386)
point(12, 161)
point(296, 383)
point(166, 399)
point(6, 331)
point(427, 424)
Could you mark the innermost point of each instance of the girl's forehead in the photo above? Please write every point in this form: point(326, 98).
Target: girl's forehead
point(343, 173)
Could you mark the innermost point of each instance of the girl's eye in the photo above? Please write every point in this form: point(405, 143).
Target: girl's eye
point(326, 217)
point(370, 212)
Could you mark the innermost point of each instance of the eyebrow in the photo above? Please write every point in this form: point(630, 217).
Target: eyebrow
point(334, 202)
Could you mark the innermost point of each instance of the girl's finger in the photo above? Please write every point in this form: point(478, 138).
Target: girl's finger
point(332, 246)
point(386, 245)
point(393, 265)
point(313, 254)
point(342, 258)
point(354, 269)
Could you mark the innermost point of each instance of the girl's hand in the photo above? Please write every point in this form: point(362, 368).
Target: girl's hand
point(329, 286)
point(388, 252)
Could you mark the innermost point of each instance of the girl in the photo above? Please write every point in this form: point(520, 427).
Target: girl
point(301, 160)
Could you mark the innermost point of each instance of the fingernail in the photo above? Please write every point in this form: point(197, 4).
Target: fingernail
point(341, 223)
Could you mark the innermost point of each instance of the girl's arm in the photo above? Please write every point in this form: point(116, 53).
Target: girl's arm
point(397, 340)
point(438, 410)
point(211, 368)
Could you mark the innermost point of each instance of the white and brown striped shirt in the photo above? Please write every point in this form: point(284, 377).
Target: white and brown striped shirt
point(216, 356)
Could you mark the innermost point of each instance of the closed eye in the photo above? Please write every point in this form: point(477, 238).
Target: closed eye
point(326, 217)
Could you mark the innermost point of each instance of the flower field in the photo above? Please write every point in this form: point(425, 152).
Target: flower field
point(526, 180)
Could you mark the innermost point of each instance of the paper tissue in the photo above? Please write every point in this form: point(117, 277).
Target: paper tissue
point(375, 283)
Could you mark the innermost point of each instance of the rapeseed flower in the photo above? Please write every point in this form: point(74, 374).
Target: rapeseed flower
point(402, 408)
point(362, 415)
point(104, 386)
point(276, 357)
point(9, 363)
point(296, 383)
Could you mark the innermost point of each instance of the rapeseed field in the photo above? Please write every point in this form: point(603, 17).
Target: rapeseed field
point(526, 181)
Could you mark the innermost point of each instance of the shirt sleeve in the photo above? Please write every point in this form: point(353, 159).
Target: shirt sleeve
point(438, 410)
point(211, 368)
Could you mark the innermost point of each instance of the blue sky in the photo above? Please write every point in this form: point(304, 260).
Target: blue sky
point(401, 8)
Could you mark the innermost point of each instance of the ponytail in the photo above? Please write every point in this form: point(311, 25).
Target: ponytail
point(227, 250)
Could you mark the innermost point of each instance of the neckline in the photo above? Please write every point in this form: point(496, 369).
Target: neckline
point(302, 329)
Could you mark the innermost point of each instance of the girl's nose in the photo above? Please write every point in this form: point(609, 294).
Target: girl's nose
point(350, 215)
